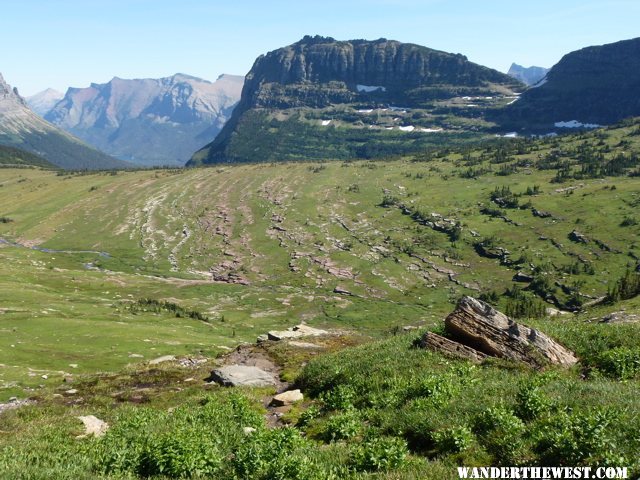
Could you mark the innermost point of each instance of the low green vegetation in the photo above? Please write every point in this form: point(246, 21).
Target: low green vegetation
point(11, 157)
point(100, 273)
point(453, 413)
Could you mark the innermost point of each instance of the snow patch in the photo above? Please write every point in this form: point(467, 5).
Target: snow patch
point(368, 110)
point(510, 135)
point(325, 122)
point(370, 88)
point(575, 124)
point(431, 130)
point(409, 128)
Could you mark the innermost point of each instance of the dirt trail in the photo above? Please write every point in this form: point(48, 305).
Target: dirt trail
point(254, 356)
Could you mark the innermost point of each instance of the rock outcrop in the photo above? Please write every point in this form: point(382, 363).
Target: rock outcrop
point(450, 348)
point(620, 317)
point(242, 376)
point(298, 331)
point(475, 325)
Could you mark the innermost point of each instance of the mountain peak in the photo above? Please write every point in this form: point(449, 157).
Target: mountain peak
point(21, 128)
point(44, 101)
point(527, 75)
point(321, 73)
point(593, 85)
point(9, 96)
point(314, 40)
point(149, 121)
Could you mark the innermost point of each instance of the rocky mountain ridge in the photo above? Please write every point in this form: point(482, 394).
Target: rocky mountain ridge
point(149, 121)
point(597, 85)
point(44, 101)
point(22, 128)
point(527, 75)
point(323, 73)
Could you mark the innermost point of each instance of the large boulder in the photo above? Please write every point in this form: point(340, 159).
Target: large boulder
point(450, 348)
point(242, 376)
point(287, 398)
point(478, 325)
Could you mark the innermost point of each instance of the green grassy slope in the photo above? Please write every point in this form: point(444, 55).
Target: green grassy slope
point(14, 157)
point(261, 243)
point(257, 247)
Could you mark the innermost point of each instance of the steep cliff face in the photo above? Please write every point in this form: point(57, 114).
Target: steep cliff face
point(595, 85)
point(149, 121)
point(21, 128)
point(318, 73)
point(394, 66)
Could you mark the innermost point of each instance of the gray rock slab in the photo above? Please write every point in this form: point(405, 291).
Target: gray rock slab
point(242, 376)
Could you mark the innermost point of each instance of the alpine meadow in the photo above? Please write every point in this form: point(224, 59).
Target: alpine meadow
point(364, 259)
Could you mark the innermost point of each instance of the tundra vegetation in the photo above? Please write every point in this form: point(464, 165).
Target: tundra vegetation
point(98, 282)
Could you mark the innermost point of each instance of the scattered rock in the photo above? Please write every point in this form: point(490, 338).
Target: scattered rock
point(605, 247)
point(577, 237)
point(93, 426)
point(287, 398)
point(522, 277)
point(298, 331)
point(553, 312)
point(620, 317)
point(164, 358)
point(248, 430)
point(262, 338)
point(594, 302)
point(478, 325)
point(540, 213)
point(409, 328)
point(294, 343)
point(71, 391)
point(136, 355)
point(242, 376)
point(449, 348)
point(191, 362)
point(14, 403)
point(342, 291)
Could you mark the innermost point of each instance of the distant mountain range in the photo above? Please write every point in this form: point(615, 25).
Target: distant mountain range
point(320, 98)
point(148, 121)
point(323, 98)
point(21, 128)
point(527, 75)
point(597, 85)
point(44, 101)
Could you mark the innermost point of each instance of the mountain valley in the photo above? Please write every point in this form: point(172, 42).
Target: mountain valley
point(382, 261)
point(161, 273)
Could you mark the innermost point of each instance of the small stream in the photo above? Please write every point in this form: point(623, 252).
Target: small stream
point(51, 250)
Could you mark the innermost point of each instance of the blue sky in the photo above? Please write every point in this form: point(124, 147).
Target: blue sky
point(73, 43)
